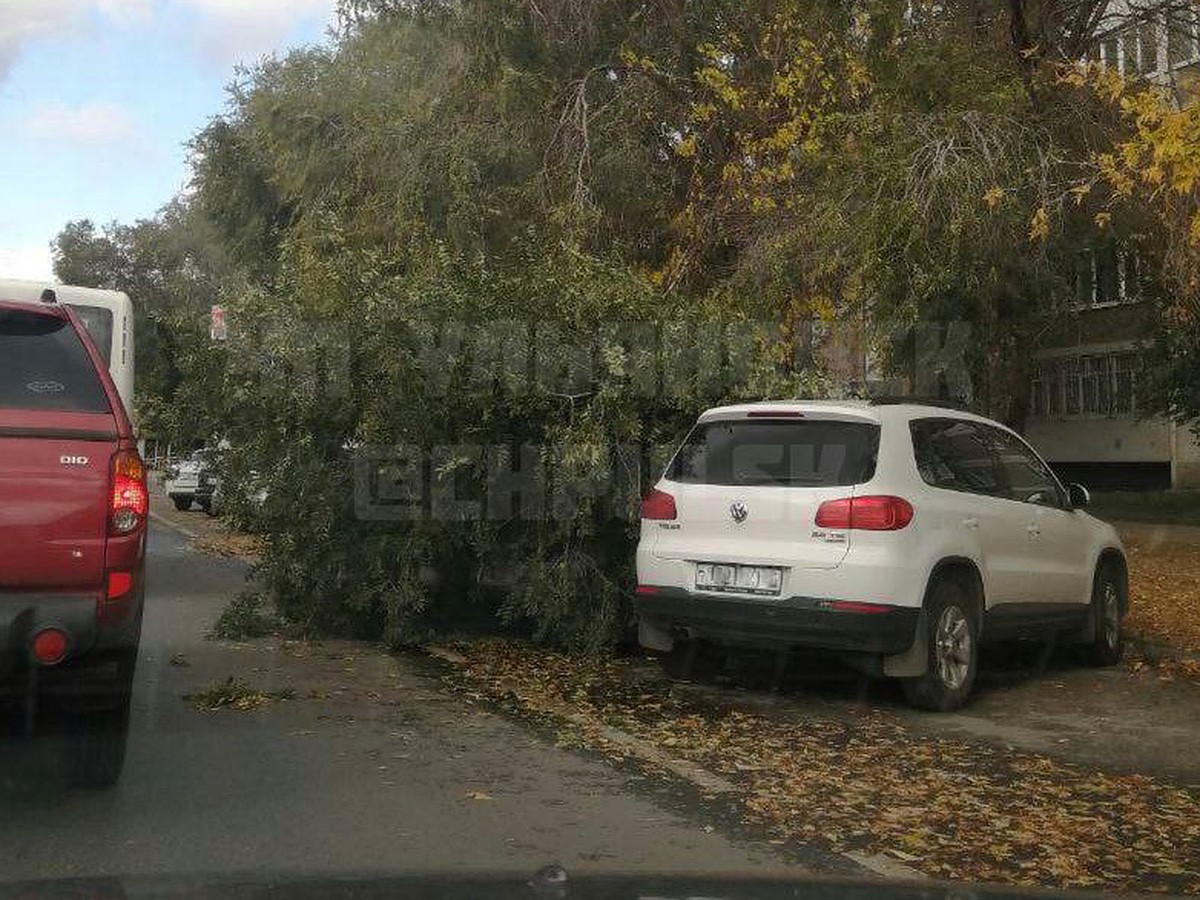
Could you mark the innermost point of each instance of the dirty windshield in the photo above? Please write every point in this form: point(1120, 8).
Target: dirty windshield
point(708, 446)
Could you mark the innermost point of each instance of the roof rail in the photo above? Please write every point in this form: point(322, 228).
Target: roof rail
point(915, 400)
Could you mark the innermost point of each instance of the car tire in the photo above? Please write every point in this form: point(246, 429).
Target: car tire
point(183, 504)
point(692, 660)
point(98, 737)
point(1108, 596)
point(98, 747)
point(952, 641)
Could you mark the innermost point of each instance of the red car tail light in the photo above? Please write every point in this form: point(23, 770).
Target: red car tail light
point(129, 501)
point(865, 513)
point(658, 505)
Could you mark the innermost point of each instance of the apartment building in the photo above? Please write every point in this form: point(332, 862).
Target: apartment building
point(1085, 414)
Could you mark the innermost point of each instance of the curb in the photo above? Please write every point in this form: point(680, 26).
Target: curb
point(174, 526)
point(708, 782)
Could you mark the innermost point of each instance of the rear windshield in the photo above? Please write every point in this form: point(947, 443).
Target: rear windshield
point(99, 324)
point(44, 366)
point(777, 452)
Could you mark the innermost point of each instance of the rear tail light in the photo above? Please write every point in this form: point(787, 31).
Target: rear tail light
point(129, 501)
point(658, 505)
point(865, 513)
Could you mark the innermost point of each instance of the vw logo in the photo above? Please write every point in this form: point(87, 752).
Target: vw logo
point(739, 512)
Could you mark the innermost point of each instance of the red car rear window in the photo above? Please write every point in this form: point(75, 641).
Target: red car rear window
point(44, 365)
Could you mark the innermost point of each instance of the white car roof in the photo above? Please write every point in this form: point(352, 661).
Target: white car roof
point(862, 410)
point(31, 292)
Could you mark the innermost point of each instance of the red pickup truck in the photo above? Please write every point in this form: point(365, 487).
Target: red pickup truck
point(73, 509)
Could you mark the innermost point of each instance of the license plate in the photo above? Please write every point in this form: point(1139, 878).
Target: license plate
point(736, 579)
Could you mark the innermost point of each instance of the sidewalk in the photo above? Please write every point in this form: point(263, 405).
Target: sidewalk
point(208, 534)
point(1153, 535)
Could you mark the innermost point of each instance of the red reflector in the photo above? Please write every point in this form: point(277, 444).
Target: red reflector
point(865, 513)
point(119, 584)
point(646, 589)
point(774, 414)
point(857, 606)
point(658, 505)
point(50, 646)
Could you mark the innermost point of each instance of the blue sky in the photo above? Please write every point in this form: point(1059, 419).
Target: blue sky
point(98, 98)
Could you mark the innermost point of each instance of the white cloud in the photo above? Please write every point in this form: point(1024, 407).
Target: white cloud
point(92, 125)
point(232, 31)
point(25, 21)
point(22, 21)
point(28, 261)
point(221, 31)
point(126, 12)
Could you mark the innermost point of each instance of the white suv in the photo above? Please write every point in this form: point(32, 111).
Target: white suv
point(897, 535)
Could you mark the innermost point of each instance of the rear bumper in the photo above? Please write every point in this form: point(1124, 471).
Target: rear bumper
point(781, 623)
point(93, 641)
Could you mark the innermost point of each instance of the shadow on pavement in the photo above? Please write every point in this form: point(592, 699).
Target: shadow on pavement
point(824, 677)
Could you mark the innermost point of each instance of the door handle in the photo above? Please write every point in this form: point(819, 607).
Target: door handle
point(970, 522)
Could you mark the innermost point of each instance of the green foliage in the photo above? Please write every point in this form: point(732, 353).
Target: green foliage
point(388, 217)
point(172, 266)
point(246, 617)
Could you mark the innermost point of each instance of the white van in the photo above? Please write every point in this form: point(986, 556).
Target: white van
point(107, 315)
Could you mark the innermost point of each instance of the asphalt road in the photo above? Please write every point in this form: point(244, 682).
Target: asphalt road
point(372, 768)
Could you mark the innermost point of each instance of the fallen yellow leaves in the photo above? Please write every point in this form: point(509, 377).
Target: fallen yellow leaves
point(235, 694)
point(1164, 595)
point(947, 808)
point(239, 546)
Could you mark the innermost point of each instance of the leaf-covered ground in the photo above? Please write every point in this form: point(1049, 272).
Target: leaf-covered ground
point(246, 547)
point(947, 808)
point(234, 694)
point(1164, 593)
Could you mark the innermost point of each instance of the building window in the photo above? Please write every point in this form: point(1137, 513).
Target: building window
point(1072, 403)
point(1134, 48)
point(1106, 276)
point(1109, 52)
point(1054, 391)
point(1124, 398)
point(1147, 33)
point(1097, 384)
point(1183, 38)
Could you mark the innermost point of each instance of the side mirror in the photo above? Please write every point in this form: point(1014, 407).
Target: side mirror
point(1078, 496)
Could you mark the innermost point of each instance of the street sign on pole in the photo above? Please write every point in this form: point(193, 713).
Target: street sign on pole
point(217, 327)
